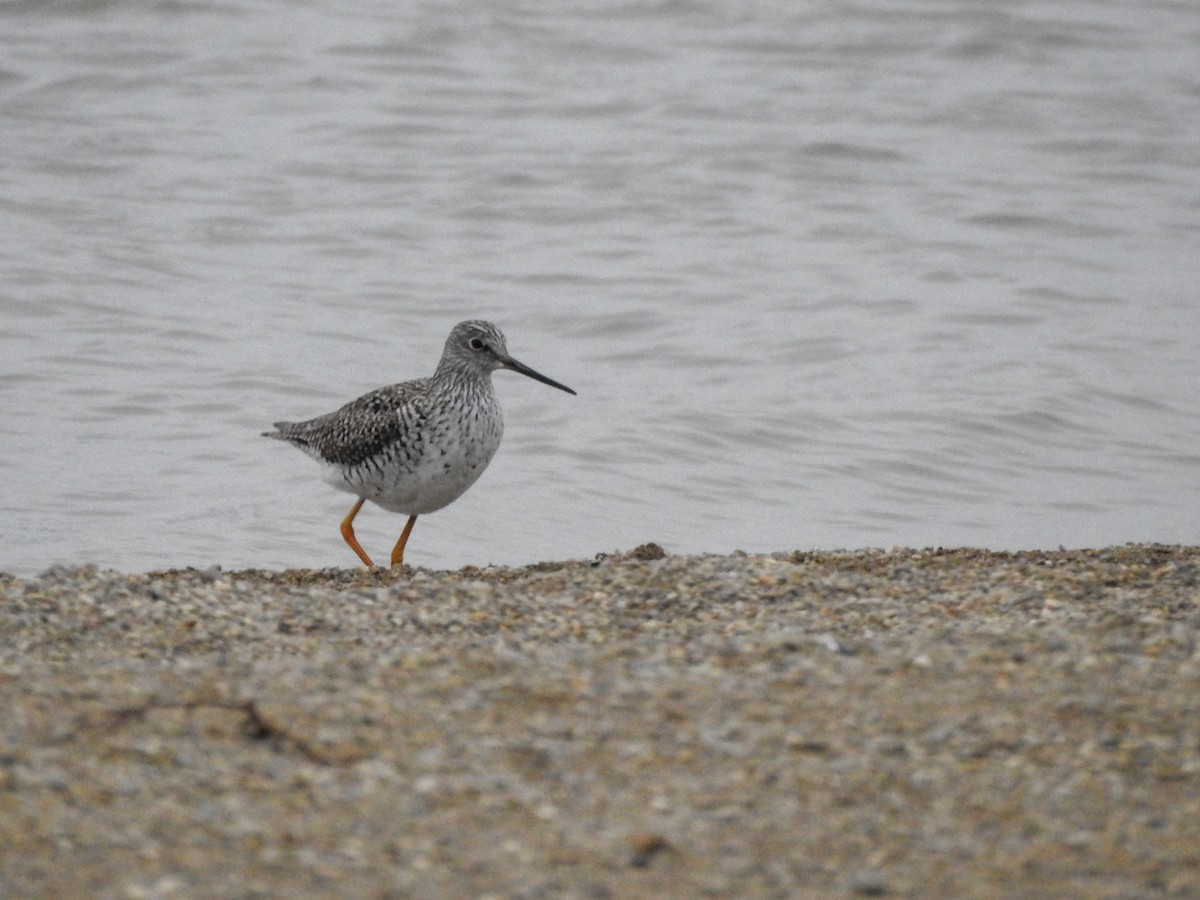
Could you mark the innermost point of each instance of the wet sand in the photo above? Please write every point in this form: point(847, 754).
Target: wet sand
point(907, 723)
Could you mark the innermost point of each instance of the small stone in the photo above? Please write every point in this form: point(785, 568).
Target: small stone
point(647, 552)
point(828, 641)
point(644, 846)
point(869, 884)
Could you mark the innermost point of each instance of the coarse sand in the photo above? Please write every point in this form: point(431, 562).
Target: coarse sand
point(934, 723)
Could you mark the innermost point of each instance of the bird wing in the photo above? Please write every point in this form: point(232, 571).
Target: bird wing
point(362, 428)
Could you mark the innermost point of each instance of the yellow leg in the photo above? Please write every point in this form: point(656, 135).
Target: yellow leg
point(348, 533)
point(398, 550)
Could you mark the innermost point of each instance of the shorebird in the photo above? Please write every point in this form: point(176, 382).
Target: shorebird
point(415, 447)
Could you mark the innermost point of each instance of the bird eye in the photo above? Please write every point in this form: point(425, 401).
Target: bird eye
point(475, 343)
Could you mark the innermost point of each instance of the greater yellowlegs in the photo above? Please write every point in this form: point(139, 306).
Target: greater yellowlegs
point(415, 447)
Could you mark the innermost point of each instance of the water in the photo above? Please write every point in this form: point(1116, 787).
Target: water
point(824, 275)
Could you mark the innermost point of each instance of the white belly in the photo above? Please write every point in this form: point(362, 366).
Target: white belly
point(450, 461)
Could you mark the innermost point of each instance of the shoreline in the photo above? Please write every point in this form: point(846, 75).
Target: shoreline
point(846, 723)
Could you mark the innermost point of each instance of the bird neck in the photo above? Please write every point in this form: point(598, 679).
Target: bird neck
point(453, 376)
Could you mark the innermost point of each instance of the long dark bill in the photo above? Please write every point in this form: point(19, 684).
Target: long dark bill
point(511, 363)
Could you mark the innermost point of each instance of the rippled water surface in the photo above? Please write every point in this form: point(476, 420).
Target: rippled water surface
point(823, 275)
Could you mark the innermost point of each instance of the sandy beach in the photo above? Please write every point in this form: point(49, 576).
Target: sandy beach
point(953, 723)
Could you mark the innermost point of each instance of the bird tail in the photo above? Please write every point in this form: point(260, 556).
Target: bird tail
point(281, 432)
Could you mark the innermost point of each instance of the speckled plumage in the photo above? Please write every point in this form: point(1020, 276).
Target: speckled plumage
point(415, 447)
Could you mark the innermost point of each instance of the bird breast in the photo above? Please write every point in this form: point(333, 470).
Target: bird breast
point(434, 464)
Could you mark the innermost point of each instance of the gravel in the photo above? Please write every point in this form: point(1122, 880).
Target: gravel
point(860, 724)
